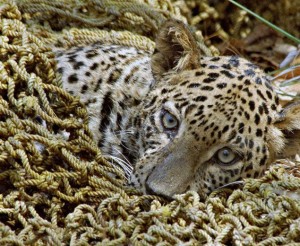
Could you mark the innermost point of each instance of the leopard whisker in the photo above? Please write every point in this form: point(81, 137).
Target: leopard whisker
point(238, 182)
point(122, 164)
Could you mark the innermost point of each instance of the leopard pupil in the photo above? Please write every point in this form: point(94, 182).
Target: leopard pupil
point(171, 120)
point(226, 152)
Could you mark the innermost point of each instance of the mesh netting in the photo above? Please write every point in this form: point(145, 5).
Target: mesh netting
point(57, 190)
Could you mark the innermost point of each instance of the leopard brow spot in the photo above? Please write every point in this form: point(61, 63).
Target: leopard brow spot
point(94, 66)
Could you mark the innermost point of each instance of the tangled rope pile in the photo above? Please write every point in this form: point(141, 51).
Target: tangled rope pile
point(60, 191)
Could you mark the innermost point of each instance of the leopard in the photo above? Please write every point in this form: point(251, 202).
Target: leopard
point(176, 121)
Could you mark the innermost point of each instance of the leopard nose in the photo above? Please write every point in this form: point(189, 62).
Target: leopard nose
point(151, 191)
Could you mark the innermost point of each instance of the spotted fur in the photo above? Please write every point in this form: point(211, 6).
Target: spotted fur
point(218, 102)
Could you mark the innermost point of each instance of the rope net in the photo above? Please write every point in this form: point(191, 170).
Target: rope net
point(61, 191)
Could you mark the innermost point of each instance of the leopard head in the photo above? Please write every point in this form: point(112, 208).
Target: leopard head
point(208, 121)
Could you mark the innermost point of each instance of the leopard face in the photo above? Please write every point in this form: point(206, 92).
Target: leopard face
point(208, 122)
point(214, 127)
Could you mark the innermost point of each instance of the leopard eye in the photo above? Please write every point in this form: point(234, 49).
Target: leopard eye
point(226, 156)
point(169, 121)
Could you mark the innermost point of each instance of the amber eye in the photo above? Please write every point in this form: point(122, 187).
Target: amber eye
point(169, 121)
point(226, 156)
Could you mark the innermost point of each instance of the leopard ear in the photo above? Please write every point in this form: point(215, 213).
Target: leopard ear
point(288, 121)
point(176, 49)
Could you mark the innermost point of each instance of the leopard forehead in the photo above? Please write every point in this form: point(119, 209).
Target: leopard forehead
point(227, 85)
